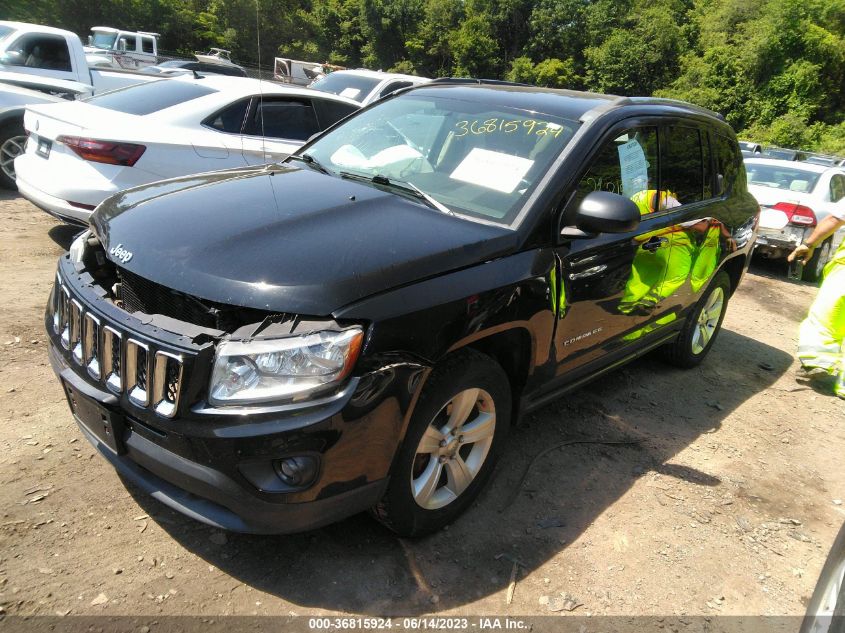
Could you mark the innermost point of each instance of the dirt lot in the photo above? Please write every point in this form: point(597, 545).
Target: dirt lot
point(726, 505)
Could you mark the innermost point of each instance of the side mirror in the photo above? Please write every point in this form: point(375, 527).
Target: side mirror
point(606, 212)
point(121, 45)
point(90, 40)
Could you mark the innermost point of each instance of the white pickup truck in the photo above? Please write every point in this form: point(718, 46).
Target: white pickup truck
point(49, 52)
point(115, 48)
point(40, 64)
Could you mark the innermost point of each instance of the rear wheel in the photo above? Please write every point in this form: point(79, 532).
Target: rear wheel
point(815, 267)
point(702, 325)
point(12, 143)
point(451, 446)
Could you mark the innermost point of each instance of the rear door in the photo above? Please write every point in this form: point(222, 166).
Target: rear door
point(276, 126)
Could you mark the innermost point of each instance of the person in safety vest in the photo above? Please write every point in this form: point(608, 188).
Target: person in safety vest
point(821, 339)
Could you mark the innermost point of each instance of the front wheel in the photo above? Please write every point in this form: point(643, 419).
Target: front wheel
point(451, 445)
point(702, 325)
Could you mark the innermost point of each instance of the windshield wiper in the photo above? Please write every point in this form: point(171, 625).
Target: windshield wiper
point(403, 185)
point(310, 161)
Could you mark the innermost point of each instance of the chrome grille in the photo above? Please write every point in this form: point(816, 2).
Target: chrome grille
point(64, 317)
point(150, 378)
point(91, 345)
point(167, 381)
point(136, 373)
point(76, 330)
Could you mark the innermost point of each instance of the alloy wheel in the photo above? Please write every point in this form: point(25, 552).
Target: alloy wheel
point(9, 150)
point(708, 320)
point(453, 448)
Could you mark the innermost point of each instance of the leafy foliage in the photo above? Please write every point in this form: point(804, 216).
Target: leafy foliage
point(774, 68)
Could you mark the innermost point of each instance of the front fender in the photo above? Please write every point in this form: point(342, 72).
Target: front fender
point(433, 317)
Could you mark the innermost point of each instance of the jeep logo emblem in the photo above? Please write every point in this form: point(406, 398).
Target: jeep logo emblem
point(120, 253)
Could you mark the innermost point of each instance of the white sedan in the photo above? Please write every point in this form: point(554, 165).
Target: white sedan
point(793, 198)
point(80, 153)
point(365, 86)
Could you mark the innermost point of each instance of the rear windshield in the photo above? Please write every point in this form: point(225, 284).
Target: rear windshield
point(5, 30)
point(351, 86)
point(787, 178)
point(150, 97)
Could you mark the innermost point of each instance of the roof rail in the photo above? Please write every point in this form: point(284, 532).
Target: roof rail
point(474, 80)
point(674, 102)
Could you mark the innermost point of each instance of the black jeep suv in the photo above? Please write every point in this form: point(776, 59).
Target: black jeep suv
point(270, 349)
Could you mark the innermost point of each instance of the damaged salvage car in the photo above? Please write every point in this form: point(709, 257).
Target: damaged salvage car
point(269, 349)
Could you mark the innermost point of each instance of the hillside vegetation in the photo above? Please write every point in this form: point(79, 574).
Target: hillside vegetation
point(774, 68)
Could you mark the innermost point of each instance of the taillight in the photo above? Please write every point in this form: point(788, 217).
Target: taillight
point(126, 154)
point(797, 213)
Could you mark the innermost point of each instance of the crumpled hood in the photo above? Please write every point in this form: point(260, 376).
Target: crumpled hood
point(287, 239)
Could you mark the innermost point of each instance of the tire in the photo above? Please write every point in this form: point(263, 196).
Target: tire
point(815, 267)
point(457, 471)
point(824, 603)
point(702, 325)
point(12, 142)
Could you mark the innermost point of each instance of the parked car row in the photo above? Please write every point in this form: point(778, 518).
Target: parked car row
point(353, 321)
point(751, 149)
point(794, 198)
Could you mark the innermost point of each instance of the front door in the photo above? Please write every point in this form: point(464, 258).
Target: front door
point(610, 287)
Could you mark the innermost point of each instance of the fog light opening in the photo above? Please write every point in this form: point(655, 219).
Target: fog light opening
point(296, 471)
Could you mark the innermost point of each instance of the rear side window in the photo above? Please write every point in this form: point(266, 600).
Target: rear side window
point(837, 187)
point(728, 161)
point(682, 169)
point(151, 97)
point(282, 118)
point(39, 51)
point(708, 166)
point(229, 119)
point(330, 112)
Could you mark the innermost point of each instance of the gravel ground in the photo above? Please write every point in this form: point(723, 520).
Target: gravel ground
point(725, 504)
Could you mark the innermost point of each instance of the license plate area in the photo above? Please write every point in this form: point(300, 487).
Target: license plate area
point(43, 147)
point(106, 426)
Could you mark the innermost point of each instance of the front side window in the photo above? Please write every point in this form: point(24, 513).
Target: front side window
point(682, 171)
point(477, 159)
point(49, 52)
point(627, 165)
point(282, 118)
point(147, 44)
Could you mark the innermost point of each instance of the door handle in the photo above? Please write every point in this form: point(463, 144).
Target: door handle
point(654, 243)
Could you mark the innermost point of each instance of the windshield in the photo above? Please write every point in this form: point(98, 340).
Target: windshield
point(101, 39)
point(346, 85)
point(474, 158)
point(787, 178)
